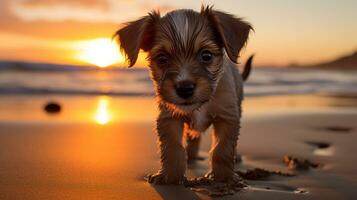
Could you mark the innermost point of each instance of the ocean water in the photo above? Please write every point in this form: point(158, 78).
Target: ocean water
point(42, 80)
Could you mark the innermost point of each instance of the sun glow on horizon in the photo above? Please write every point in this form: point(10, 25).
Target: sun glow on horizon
point(101, 52)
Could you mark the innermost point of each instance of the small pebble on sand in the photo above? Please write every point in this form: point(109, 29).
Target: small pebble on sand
point(52, 107)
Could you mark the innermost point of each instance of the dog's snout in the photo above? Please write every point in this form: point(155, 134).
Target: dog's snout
point(185, 89)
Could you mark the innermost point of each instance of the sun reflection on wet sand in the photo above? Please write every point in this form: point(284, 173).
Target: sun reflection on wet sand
point(102, 114)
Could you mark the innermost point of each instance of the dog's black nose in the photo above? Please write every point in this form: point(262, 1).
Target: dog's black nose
point(185, 89)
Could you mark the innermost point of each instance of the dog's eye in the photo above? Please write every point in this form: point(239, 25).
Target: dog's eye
point(162, 60)
point(206, 56)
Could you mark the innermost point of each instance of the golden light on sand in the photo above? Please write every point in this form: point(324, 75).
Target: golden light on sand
point(102, 114)
point(101, 52)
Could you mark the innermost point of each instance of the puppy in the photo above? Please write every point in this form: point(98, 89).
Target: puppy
point(192, 57)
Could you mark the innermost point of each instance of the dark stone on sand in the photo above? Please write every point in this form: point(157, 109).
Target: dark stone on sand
point(320, 145)
point(260, 174)
point(299, 164)
point(339, 129)
point(52, 107)
point(207, 185)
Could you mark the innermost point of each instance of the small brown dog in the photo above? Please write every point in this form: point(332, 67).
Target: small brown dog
point(192, 59)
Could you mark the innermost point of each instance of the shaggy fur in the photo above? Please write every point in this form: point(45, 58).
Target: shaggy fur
point(196, 50)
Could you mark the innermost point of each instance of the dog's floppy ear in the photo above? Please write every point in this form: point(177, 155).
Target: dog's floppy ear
point(137, 35)
point(233, 32)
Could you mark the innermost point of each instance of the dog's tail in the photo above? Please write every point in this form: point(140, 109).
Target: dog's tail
point(247, 68)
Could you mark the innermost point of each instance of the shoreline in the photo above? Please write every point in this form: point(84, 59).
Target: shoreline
point(87, 109)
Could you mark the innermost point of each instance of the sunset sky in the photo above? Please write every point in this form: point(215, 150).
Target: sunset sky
point(73, 32)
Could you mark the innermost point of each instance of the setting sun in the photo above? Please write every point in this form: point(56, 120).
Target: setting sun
point(100, 52)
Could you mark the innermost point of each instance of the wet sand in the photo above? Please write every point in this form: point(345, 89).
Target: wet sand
point(96, 150)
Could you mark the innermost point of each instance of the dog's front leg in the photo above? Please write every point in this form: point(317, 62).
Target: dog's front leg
point(222, 155)
point(173, 156)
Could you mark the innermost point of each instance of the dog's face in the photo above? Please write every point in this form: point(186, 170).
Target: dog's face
point(185, 52)
point(185, 59)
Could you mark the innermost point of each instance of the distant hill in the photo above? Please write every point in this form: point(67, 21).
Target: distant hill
point(33, 66)
point(345, 62)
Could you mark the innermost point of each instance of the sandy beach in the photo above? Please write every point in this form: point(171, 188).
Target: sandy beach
point(102, 148)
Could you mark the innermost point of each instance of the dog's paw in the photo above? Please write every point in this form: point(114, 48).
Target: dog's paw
point(161, 178)
point(157, 178)
point(235, 178)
